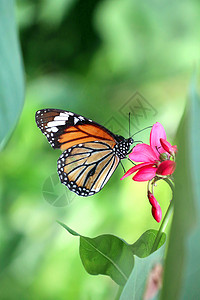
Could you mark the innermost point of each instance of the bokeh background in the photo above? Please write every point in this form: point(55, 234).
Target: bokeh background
point(99, 59)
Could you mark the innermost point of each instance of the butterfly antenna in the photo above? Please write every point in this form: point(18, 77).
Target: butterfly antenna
point(129, 123)
point(131, 161)
point(141, 130)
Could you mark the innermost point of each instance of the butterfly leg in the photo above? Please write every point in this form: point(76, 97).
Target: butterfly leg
point(122, 167)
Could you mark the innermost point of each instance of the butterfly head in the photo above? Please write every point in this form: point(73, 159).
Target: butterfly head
point(130, 141)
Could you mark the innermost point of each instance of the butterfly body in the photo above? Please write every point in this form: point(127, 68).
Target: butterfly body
point(122, 147)
point(91, 153)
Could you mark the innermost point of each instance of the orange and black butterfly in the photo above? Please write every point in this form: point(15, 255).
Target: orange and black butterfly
point(91, 153)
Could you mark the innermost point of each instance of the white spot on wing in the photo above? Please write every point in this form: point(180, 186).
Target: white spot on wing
point(53, 129)
point(64, 114)
point(55, 123)
point(75, 120)
point(62, 117)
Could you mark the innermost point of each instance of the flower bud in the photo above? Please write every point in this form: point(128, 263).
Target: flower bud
point(163, 156)
point(152, 199)
point(166, 168)
point(157, 213)
point(168, 147)
point(156, 209)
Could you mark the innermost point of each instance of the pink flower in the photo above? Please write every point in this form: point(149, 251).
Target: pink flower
point(156, 209)
point(154, 158)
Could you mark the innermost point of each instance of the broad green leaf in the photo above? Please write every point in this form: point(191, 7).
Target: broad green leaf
point(182, 272)
point(11, 72)
point(136, 284)
point(106, 255)
point(142, 247)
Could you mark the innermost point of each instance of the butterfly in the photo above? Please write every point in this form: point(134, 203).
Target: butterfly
point(91, 153)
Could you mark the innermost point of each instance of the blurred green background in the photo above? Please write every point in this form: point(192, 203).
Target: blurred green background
point(98, 59)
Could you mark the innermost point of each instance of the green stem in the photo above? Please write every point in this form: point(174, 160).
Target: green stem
point(165, 219)
point(163, 226)
point(170, 184)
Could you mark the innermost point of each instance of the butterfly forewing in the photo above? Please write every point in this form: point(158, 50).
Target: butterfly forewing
point(65, 129)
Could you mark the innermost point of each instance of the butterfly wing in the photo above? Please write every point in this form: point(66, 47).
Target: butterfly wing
point(87, 167)
point(88, 160)
point(65, 129)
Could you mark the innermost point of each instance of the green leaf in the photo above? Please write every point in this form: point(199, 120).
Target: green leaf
point(11, 72)
point(182, 272)
point(105, 254)
point(142, 247)
point(108, 255)
point(68, 229)
point(135, 286)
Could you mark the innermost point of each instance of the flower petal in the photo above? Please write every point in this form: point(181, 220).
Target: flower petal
point(168, 147)
point(174, 149)
point(166, 167)
point(157, 132)
point(143, 153)
point(134, 169)
point(157, 213)
point(146, 173)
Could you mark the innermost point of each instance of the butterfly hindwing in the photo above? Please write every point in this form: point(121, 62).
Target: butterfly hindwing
point(86, 168)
